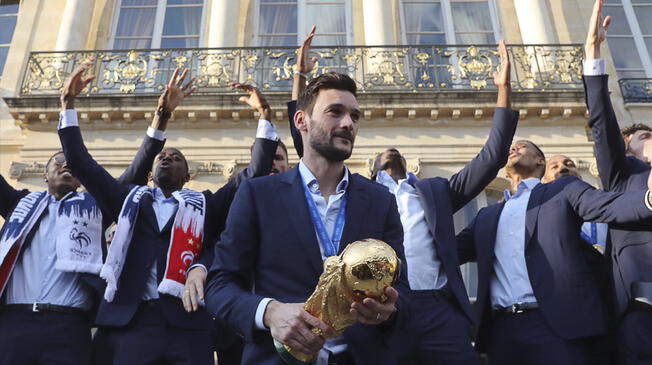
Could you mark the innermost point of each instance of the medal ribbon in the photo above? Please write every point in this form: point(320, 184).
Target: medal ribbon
point(330, 245)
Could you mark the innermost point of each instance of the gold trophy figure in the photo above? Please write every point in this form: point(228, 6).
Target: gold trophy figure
point(363, 269)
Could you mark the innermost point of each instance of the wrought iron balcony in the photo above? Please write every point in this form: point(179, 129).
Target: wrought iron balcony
point(636, 90)
point(375, 69)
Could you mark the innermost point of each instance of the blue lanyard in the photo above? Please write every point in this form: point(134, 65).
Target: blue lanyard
point(330, 246)
point(594, 234)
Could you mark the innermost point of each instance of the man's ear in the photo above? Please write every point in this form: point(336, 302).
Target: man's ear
point(150, 176)
point(186, 178)
point(300, 121)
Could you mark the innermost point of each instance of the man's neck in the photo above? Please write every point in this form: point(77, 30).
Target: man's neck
point(517, 178)
point(396, 174)
point(58, 195)
point(328, 173)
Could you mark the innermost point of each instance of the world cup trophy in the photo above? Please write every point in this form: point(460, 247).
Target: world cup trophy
point(363, 270)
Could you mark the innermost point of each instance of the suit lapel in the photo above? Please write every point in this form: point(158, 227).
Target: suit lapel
point(532, 213)
point(292, 195)
point(489, 222)
point(147, 212)
point(428, 203)
point(357, 204)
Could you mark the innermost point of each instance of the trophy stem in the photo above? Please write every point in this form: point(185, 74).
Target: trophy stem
point(292, 357)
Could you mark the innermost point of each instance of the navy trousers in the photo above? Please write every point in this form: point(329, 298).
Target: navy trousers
point(228, 345)
point(526, 339)
point(44, 338)
point(635, 335)
point(438, 332)
point(148, 340)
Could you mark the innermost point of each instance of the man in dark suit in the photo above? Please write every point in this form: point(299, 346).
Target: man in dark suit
point(271, 254)
point(171, 329)
point(43, 307)
point(441, 313)
point(623, 167)
point(538, 300)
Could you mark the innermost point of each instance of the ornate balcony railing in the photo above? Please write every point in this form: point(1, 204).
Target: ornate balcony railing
point(375, 69)
point(636, 90)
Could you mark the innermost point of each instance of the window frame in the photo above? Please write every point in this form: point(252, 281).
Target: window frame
point(637, 35)
point(447, 18)
point(8, 45)
point(159, 22)
point(302, 27)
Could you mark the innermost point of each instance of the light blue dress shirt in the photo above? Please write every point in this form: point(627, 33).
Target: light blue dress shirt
point(424, 268)
point(35, 279)
point(510, 281)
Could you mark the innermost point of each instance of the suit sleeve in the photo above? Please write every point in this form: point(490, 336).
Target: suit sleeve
point(609, 145)
point(262, 158)
point(594, 205)
point(9, 197)
point(479, 172)
point(393, 235)
point(228, 293)
point(466, 243)
point(106, 190)
point(141, 165)
point(296, 135)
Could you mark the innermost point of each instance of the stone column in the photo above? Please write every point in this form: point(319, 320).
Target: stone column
point(534, 22)
point(224, 20)
point(75, 25)
point(378, 29)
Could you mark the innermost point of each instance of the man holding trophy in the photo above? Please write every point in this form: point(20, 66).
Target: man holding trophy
point(282, 228)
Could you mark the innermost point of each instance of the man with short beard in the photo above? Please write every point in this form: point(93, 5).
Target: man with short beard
point(156, 265)
point(281, 228)
point(623, 164)
point(441, 312)
point(47, 303)
point(539, 302)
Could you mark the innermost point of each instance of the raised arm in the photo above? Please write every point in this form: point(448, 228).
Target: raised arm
point(9, 197)
point(304, 66)
point(139, 169)
point(479, 172)
point(609, 145)
point(264, 148)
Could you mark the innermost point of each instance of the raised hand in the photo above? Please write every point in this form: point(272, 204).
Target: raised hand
point(305, 64)
point(175, 92)
point(255, 100)
point(597, 31)
point(75, 83)
point(502, 77)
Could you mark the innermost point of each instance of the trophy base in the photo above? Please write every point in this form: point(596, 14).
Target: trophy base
point(292, 357)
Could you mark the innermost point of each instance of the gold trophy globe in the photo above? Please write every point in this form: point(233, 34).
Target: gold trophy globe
point(363, 270)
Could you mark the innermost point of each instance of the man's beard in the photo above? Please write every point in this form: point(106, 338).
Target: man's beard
point(320, 142)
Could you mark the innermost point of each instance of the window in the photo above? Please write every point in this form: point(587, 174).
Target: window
point(8, 16)
point(630, 37)
point(285, 23)
point(449, 22)
point(158, 24)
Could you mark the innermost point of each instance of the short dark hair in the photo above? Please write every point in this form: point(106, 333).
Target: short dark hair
point(629, 130)
point(329, 80)
point(47, 164)
point(280, 143)
point(538, 150)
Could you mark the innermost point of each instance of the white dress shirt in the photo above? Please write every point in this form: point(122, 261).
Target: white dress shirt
point(328, 211)
point(35, 279)
point(424, 268)
point(510, 281)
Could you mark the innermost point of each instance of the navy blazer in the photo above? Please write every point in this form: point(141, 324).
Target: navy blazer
point(270, 249)
point(136, 173)
point(566, 288)
point(152, 243)
point(630, 251)
point(441, 198)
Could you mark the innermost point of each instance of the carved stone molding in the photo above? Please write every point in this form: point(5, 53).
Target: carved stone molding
point(19, 170)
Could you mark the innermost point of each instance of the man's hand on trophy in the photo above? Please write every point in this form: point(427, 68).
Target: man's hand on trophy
point(296, 328)
point(371, 311)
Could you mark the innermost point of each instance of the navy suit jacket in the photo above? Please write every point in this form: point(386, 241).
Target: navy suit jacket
point(150, 243)
point(269, 249)
point(136, 173)
point(566, 289)
point(630, 251)
point(441, 198)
